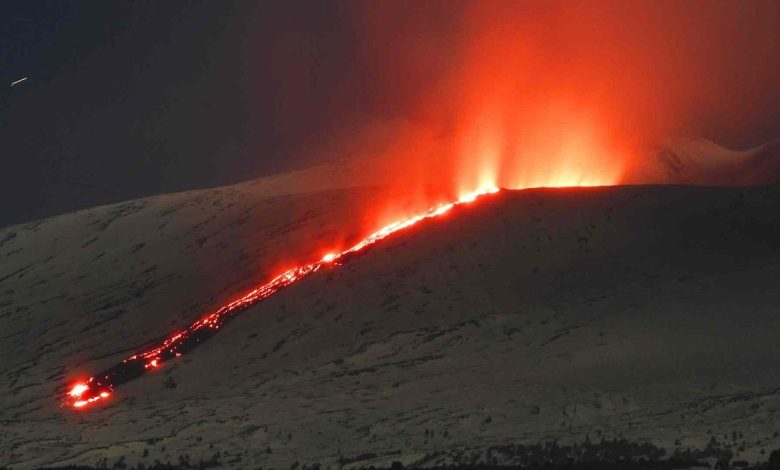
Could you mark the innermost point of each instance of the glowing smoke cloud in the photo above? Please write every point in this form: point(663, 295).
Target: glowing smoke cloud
point(101, 386)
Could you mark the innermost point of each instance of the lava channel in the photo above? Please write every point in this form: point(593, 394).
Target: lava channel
point(100, 386)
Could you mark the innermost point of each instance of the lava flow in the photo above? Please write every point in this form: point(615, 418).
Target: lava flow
point(101, 386)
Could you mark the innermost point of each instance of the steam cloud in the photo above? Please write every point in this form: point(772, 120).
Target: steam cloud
point(550, 93)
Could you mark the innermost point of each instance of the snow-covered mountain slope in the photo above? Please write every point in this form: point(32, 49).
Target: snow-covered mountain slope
point(92, 275)
point(694, 160)
point(643, 312)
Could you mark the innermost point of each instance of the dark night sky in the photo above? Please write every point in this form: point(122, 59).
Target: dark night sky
point(128, 99)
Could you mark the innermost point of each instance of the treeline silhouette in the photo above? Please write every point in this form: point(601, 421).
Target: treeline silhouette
point(617, 454)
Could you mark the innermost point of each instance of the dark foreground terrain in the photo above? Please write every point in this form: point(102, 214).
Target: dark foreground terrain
point(613, 455)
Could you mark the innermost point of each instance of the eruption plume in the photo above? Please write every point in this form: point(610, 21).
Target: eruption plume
point(453, 95)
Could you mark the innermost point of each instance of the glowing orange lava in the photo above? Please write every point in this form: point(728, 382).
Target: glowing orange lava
point(101, 386)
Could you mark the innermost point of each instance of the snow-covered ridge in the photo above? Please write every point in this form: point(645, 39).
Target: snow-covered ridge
point(694, 160)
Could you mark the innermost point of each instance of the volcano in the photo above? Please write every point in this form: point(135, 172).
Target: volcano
point(639, 314)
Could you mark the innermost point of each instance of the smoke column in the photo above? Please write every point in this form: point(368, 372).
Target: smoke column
point(452, 95)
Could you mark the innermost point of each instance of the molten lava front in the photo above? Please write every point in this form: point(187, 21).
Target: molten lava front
point(100, 386)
